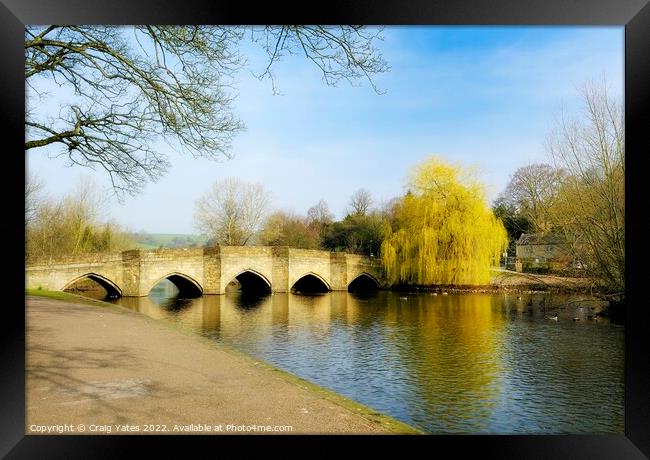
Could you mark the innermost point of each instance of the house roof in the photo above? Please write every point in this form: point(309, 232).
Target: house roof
point(541, 239)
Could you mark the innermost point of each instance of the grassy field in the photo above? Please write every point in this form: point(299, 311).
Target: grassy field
point(167, 240)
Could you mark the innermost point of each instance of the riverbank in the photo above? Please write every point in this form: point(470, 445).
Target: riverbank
point(98, 366)
point(512, 281)
point(502, 280)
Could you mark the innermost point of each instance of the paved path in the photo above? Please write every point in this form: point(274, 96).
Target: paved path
point(106, 366)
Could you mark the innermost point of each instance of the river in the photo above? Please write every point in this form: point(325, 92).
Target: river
point(457, 363)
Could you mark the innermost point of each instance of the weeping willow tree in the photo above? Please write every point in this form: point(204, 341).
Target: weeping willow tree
point(443, 231)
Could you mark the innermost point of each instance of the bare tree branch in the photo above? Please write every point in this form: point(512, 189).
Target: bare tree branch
point(360, 202)
point(132, 87)
point(591, 204)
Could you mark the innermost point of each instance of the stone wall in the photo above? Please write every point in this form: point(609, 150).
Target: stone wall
point(159, 264)
point(304, 262)
point(237, 259)
point(56, 275)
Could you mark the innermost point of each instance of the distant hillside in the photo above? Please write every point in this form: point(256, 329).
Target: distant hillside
point(167, 240)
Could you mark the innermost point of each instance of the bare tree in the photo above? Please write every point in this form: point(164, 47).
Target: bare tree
point(71, 225)
point(289, 229)
point(132, 86)
point(360, 202)
point(532, 192)
point(591, 205)
point(232, 211)
point(33, 189)
point(340, 52)
point(319, 218)
point(319, 214)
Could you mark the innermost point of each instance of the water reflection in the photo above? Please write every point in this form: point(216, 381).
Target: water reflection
point(467, 363)
point(248, 301)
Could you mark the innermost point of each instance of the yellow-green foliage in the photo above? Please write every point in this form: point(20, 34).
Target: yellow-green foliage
point(443, 231)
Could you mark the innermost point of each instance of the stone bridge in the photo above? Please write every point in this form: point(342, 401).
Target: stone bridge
point(198, 271)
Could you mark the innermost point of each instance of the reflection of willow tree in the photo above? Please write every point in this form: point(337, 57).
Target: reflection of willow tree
point(443, 231)
point(454, 355)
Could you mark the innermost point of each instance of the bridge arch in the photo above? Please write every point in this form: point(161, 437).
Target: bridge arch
point(310, 283)
point(187, 286)
point(364, 282)
point(112, 289)
point(252, 281)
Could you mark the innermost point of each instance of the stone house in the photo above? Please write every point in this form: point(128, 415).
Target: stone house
point(539, 252)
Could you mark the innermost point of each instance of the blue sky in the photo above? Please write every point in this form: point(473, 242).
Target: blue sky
point(483, 96)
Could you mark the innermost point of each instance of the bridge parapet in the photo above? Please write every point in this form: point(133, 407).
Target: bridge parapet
point(84, 259)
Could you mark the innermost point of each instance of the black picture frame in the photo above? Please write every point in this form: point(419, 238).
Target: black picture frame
point(633, 14)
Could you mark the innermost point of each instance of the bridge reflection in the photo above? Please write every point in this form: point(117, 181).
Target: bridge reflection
point(226, 314)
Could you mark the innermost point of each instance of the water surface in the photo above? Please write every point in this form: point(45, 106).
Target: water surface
point(458, 363)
